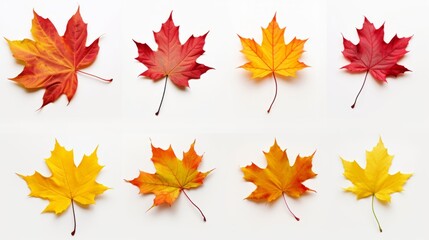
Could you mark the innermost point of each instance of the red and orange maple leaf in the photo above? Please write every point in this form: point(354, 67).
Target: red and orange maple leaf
point(53, 61)
point(373, 55)
point(172, 59)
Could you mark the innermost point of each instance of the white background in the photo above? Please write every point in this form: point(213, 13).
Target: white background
point(225, 112)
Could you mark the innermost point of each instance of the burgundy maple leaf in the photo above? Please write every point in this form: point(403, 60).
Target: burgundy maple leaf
point(373, 55)
point(172, 59)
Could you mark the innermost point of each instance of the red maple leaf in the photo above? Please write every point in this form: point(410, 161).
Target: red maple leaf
point(373, 55)
point(172, 59)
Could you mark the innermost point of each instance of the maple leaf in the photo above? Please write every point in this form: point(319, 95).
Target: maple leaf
point(68, 183)
point(172, 59)
point(374, 180)
point(172, 176)
point(53, 61)
point(274, 56)
point(279, 178)
point(373, 55)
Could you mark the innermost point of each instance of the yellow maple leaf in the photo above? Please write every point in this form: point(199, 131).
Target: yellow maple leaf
point(172, 176)
point(274, 56)
point(375, 179)
point(68, 183)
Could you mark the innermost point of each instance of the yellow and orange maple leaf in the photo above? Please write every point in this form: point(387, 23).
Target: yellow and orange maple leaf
point(279, 177)
point(68, 183)
point(274, 56)
point(375, 179)
point(172, 176)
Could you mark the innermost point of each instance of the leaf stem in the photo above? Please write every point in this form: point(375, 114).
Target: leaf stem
point(163, 94)
point(373, 212)
point(97, 77)
point(284, 198)
point(364, 81)
point(74, 218)
point(275, 95)
point(202, 214)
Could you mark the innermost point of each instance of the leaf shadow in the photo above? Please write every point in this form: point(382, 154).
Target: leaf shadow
point(155, 82)
point(280, 200)
point(85, 207)
point(181, 89)
point(289, 79)
point(261, 202)
point(261, 80)
point(379, 83)
point(27, 90)
point(384, 205)
point(163, 209)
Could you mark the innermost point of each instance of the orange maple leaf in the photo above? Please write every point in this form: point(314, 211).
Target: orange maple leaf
point(274, 56)
point(279, 178)
point(53, 61)
point(172, 176)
